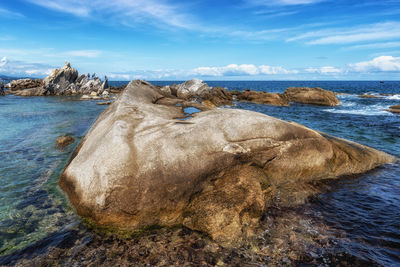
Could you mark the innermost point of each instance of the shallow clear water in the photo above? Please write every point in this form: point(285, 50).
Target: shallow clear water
point(31, 207)
point(364, 212)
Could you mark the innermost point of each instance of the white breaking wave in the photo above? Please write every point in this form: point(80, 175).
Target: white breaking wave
point(372, 110)
point(393, 97)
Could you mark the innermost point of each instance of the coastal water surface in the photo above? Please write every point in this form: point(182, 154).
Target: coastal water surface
point(363, 212)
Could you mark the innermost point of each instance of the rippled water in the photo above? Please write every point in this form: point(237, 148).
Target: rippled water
point(31, 207)
point(363, 212)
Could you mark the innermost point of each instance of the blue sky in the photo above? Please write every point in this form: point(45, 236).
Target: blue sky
point(210, 40)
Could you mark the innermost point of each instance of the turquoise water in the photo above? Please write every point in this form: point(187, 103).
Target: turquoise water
point(31, 207)
point(365, 210)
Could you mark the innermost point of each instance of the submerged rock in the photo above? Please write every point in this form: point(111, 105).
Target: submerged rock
point(64, 141)
point(314, 96)
point(215, 172)
point(104, 103)
point(369, 96)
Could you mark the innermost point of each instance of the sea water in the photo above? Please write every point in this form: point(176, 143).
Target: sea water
point(365, 210)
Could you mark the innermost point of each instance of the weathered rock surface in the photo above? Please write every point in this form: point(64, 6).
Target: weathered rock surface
point(274, 99)
point(24, 84)
point(394, 109)
point(37, 91)
point(215, 172)
point(60, 80)
point(218, 96)
point(314, 96)
point(191, 88)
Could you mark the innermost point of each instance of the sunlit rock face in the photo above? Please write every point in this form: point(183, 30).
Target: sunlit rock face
point(141, 165)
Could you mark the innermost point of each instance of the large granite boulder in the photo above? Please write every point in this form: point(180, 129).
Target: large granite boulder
point(314, 96)
point(274, 99)
point(60, 80)
point(192, 88)
point(141, 165)
point(20, 84)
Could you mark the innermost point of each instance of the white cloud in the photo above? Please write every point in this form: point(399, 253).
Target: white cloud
point(241, 70)
point(362, 33)
point(154, 11)
point(83, 53)
point(378, 64)
point(324, 70)
point(24, 69)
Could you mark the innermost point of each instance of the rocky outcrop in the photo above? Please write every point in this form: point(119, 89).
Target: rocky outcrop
point(64, 81)
point(215, 172)
point(218, 96)
point(2, 89)
point(394, 109)
point(20, 84)
point(274, 99)
point(314, 96)
point(60, 81)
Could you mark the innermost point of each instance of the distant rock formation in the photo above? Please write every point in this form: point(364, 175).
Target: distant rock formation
point(64, 81)
point(314, 96)
point(214, 172)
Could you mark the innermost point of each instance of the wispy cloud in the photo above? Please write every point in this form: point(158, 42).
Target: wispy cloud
point(10, 14)
point(362, 33)
point(150, 11)
point(282, 2)
point(374, 46)
point(83, 53)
